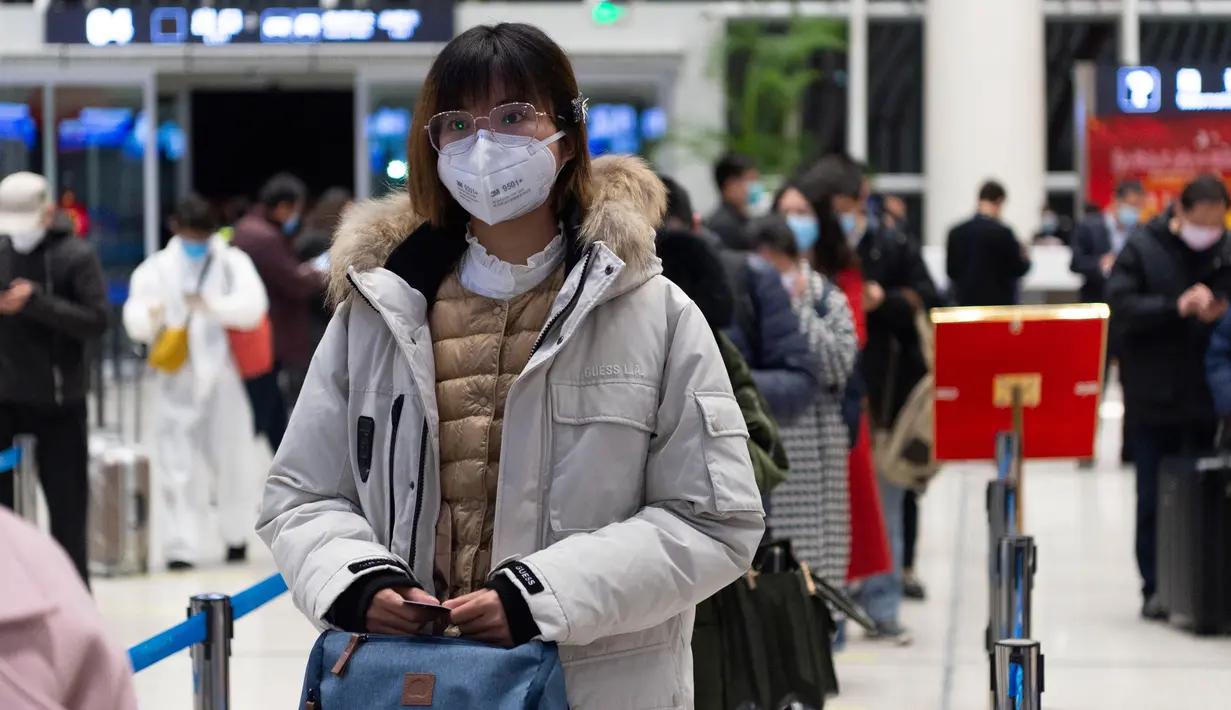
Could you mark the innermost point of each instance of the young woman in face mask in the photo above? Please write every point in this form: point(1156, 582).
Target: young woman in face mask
point(812, 507)
point(199, 284)
point(512, 412)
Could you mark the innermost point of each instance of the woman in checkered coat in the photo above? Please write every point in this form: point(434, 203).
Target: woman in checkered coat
point(812, 508)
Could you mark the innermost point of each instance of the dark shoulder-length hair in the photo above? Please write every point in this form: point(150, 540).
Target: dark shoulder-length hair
point(523, 64)
point(832, 253)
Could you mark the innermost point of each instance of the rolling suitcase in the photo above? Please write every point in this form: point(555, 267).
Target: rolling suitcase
point(119, 530)
point(119, 508)
point(1194, 542)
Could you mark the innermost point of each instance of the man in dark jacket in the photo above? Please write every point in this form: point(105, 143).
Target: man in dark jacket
point(1102, 235)
point(1167, 290)
point(267, 234)
point(764, 327)
point(1096, 242)
point(739, 186)
point(984, 260)
point(53, 305)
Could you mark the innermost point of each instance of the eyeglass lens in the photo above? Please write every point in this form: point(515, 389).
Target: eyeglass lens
point(511, 124)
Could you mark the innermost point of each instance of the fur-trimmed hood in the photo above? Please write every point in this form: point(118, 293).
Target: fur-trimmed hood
point(629, 204)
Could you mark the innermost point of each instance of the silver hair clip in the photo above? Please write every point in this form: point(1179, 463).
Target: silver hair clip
point(581, 108)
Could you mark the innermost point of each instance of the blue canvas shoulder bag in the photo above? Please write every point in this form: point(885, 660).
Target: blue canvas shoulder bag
point(376, 672)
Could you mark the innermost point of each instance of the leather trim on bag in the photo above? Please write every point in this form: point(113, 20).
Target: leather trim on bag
point(418, 689)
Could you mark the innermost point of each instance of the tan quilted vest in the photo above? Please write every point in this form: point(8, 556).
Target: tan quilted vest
point(481, 345)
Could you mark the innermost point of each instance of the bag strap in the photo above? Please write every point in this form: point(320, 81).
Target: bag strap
point(209, 260)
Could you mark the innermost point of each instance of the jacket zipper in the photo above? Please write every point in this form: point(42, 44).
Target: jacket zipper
point(414, 533)
point(572, 302)
point(360, 292)
point(393, 444)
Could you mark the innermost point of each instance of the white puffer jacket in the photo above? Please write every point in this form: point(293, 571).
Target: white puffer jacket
point(626, 492)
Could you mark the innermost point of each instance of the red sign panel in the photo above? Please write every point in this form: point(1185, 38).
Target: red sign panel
point(1164, 153)
point(1052, 354)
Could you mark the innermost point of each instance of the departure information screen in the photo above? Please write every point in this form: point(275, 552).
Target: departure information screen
point(123, 26)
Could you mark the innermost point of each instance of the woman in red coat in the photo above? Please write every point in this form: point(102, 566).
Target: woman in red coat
point(870, 554)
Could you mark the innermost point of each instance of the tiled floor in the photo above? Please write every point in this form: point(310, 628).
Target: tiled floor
point(1099, 655)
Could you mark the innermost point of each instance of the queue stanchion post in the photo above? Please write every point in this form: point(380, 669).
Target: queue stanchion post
point(1016, 568)
point(25, 479)
point(999, 492)
point(1017, 675)
point(211, 659)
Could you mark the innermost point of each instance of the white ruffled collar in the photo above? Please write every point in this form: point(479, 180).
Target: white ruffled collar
point(485, 275)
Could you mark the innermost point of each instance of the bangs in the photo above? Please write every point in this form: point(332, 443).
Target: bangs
point(501, 67)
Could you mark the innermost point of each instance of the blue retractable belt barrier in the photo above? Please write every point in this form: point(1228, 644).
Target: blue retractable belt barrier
point(192, 632)
point(9, 458)
point(257, 596)
point(168, 643)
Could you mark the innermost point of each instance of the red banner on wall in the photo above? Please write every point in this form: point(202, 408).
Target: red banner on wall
point(1164, 153)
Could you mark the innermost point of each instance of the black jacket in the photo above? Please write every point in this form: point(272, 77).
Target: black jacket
point(1091, 241)
point(892, 361)
point(984, 262)
point(43, 348)
point(1162, 356)
point(766, 331)
point(731, 226)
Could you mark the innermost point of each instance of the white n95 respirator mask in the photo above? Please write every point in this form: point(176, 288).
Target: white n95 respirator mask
point(496, 183)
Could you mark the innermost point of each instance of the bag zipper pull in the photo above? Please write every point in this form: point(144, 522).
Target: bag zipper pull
point(339, 668)
point(311, 702)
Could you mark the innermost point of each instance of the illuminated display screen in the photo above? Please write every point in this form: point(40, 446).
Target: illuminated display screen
point(1163, 90)
point(104, 26)
point(16, 124)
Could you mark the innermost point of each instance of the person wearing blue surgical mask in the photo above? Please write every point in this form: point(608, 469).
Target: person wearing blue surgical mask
point(201, 288)
point(1096, 243)
point(267, 233)
point(739, 186)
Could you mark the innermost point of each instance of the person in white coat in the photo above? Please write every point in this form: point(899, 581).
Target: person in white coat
point(200, 283)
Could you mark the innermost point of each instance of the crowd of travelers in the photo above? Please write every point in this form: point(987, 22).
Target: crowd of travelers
point(540, 390)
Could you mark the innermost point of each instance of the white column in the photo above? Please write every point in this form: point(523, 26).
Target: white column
point(857, 81)
point(1130, 32)
point(984, 110)
point(149, 165)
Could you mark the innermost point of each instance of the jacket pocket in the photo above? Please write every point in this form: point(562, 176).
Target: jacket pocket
point(637, 671)
point(600, 439)
point(724, 437)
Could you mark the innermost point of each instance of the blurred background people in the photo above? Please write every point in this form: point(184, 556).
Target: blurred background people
point(53, 309)
point(1167, 290)
point(763, 326)
point(834, 257)
point(200, 284)
point(54, 650)
point(313, 244)
point(739, 187)
point(896, 215)
point(812, 507)
point(984, 260)
point(1096, 242)
point(1054, 229)
point(267, 235)
point(317, 233)
point(76, 212)
point(1101, 236)
point(895, 287)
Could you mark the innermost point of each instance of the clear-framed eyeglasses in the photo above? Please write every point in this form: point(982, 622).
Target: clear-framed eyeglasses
point(512, 125)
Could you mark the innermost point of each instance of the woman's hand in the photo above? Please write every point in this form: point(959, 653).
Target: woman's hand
point(388, 615)
point(480, 616)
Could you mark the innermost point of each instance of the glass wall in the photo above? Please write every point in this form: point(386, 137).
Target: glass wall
point(388, 125)
point(100, 139)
